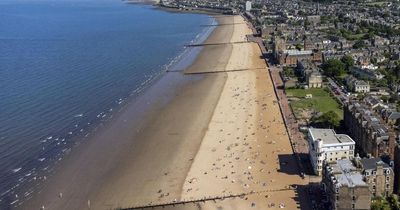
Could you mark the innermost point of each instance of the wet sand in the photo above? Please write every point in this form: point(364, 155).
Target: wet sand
point(220, 134)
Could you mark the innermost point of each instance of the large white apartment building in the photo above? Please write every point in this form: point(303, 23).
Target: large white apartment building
point(326, 146)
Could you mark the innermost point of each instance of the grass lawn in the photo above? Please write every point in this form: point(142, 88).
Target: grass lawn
point(320, 102)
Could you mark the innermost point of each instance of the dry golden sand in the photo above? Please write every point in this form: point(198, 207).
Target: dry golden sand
point(246, 147)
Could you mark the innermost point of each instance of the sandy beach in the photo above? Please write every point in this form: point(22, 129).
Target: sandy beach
point(218, 134)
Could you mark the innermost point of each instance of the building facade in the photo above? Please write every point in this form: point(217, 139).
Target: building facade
point(345, 186)
point(372, 136)
point(314, 80)
point(396, 187)
point(326, 147)
point(358, 86)
point(378, 175)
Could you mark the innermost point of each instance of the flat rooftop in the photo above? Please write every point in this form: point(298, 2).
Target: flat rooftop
point(328, 136)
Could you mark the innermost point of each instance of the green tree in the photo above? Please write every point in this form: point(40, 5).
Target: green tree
point(380, 203)
point(385, 98)
point(394, 202)
point(333, 67)
point(359, 44)
point(348, 62)
point(299, 46)
point(329, 119)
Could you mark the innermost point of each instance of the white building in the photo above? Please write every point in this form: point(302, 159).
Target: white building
point(326, 146)
point(248, 6)
point(358, 86)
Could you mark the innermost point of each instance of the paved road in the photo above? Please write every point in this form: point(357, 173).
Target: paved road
point(337, 91)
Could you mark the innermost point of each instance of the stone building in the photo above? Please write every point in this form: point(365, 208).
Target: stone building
point(326, 147)
point(391, 117)
point(314, 80)
point(396, 187)
point(377, 174)
point(358, 86)
point(372, 136)
point(309, 72)
point(345, 186)
point(314, 19)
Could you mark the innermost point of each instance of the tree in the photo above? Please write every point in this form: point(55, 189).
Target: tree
point(329, 119)
point(299, 46)
point(394, 202)
point(380, 203)
point(348, 62)
point(385, 98)
point(333, 67)
point(359, 44)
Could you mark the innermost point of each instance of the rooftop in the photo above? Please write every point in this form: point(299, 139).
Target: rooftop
point(371, 163)
point(344, 173)
point(328, 136)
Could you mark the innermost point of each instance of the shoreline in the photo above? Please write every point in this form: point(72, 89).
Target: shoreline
point(46, 164)
point(53, 185)
point(220, 134)
point(209, 11)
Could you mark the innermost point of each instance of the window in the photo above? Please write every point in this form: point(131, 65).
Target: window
point(387, 186)
point(354, 198)
point(345, 152)
point(366, 173)
point(350, 152)
point(387, 171)
point(353, 206)
point(373, 172)
point(387, 178)
point(337, 190)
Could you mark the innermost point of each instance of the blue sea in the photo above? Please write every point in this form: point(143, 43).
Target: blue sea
point(68, 65)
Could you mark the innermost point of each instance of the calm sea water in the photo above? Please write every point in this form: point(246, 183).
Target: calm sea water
point(67, 65)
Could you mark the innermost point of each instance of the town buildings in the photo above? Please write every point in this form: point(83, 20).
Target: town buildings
point(309, 73)
point(366, 127)
point(326, 147)
point(345, 186)
point(358, 86)
point(290, 57)
point(314, 79)
point(377, 174)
